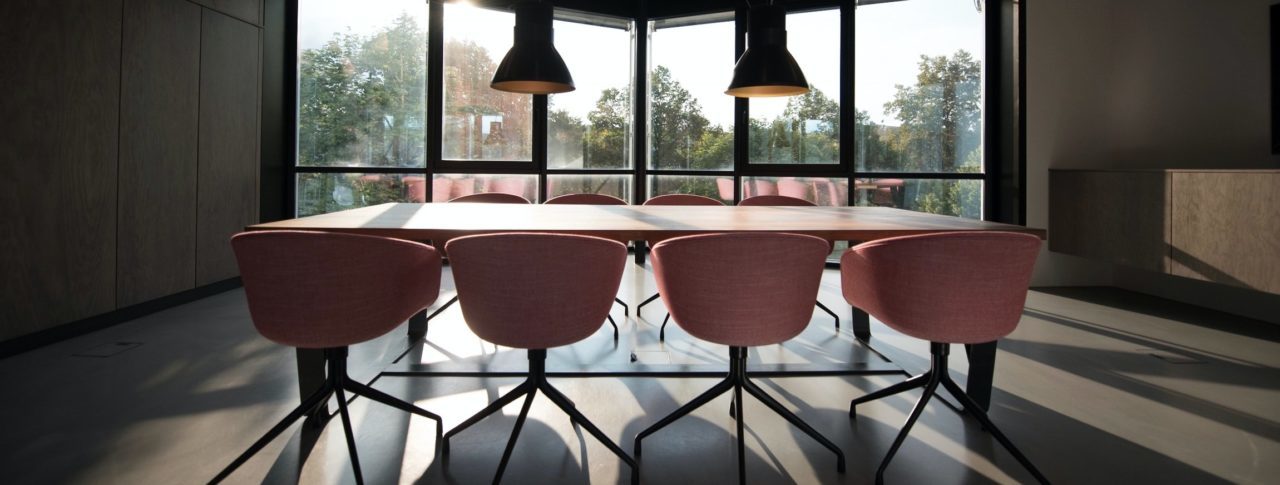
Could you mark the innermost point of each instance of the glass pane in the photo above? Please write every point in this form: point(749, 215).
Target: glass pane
point(919, 86)
point(590, 127)
point(447, 187)
point(947, 197)
point(819, 190)
point(690, 117)
point(719, 188)
point(362, 82)
point(616, 185)
point(319, 193)
point(481, 123)
point(805, 128)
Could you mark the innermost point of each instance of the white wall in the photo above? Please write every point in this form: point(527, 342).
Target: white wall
point(1141, 84)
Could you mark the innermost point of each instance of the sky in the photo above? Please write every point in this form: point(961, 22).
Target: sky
point(889, 40)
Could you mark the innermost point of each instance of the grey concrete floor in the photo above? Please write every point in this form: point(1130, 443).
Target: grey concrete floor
point(1095, 386)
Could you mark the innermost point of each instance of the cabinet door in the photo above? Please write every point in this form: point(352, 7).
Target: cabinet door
point(159, 115)
point(227, 182)
point(60, 71)
point(1117, 217)
point(1226, 228)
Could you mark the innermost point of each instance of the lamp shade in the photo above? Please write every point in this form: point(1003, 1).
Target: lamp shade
point(767, 68)
point(532, 66)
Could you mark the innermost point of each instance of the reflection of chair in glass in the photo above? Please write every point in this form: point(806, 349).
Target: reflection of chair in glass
point(315, 290)
point(960, 287)
point(784, 201)
point(837, 193)
point(671, 199)
point(462, 187)
point(790, 187)
point(509, 185)
point(441, 189)
point(481, 198)
point(755, 187)
point(415, 188)
point(596, 199)
point(534, 292)
point(724, 186)
point(760, 294)
point(887, 193)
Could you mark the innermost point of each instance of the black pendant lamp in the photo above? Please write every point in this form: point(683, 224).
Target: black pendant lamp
point(766, 69)
point(532, 66)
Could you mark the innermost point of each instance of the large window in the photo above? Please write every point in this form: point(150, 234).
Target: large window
point(919, 100)
point(690, 117)
point(905, 79)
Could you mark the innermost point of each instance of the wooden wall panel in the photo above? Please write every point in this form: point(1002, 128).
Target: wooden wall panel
point(246, 10)
point(58, 148)
point(1226, 228)
point(227, 181)
point(1117, 217)
point(159, 115)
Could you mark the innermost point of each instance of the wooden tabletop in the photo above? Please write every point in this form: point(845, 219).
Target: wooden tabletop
point(632, 222)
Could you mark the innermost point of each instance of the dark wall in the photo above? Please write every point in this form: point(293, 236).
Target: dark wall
point(128, 151)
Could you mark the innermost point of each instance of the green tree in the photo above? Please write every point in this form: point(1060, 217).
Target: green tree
point(608, 132)
point(874, 151)
point(941, 114)
point(676, 124)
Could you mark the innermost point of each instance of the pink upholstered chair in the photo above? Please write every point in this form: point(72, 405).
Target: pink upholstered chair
point(959, 287)
point(762, 295)
point(481, 198)
point(596, 199)
point(670, 199)
point(786, 201)
point(329, 291)
point(534, 292)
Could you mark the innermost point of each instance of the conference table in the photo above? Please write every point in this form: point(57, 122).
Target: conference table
point(431, 221)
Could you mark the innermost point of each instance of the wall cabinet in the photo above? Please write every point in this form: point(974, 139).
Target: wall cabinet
point(1221, 226)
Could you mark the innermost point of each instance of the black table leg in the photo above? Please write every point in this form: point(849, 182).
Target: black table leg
point(982, 366)
point(639, 248)
point(861, 324)
point(418, 325)
point(311, 375)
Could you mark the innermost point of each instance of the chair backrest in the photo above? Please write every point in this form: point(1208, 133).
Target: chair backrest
point(323, 290)
point(956, 287)
point(536, 291)
point(740, 289)
point(682, 199)
point(492, 198)
point(586, 199)
point(776, 200)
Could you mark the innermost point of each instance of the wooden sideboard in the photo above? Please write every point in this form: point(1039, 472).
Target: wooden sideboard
point(1221, 226)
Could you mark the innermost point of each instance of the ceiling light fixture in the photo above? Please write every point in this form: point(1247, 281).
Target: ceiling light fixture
point(766, 69)
point(533, 66)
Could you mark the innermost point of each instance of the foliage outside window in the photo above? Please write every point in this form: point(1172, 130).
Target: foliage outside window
point(481, 123)
point(590, 127)
point(690, 117)
point(362, 88)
